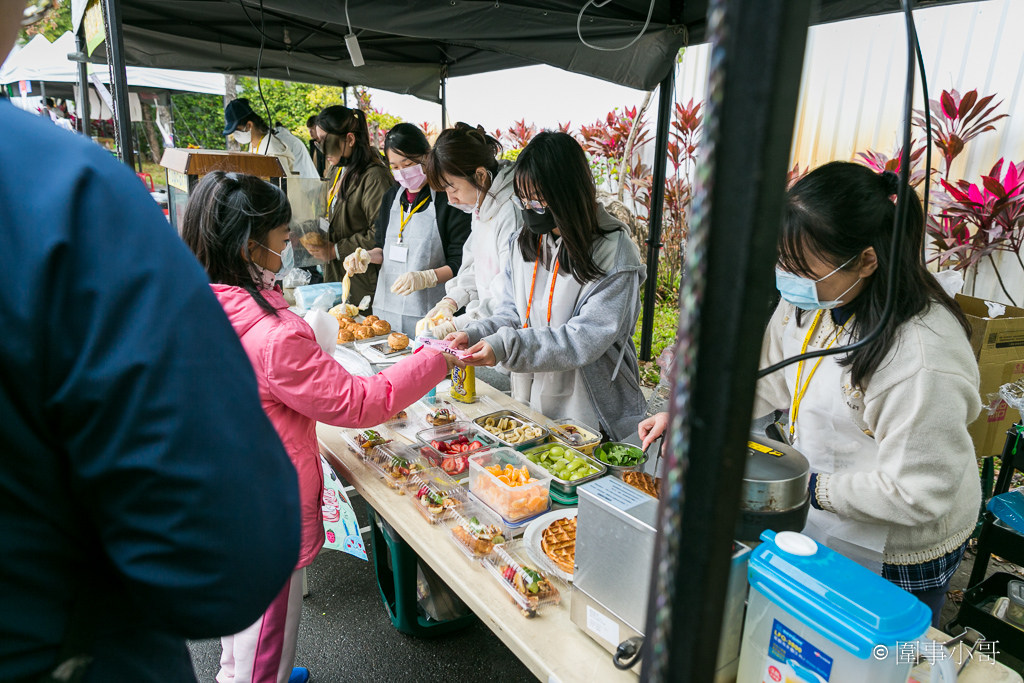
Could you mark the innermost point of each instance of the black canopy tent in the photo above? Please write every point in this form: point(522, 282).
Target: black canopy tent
point(756, 65)
point(412, 47)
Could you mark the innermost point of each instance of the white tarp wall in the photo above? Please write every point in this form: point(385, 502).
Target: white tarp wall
point(851, 96)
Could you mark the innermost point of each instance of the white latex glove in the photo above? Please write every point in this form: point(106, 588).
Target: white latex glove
point(408, 283)
point(357, 262)
point(444, 310)
point(444, 329)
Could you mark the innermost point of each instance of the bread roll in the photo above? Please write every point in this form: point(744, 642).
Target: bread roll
point(364, 332)
point(398, 341)
point(345, 336)
point(381, 327)
point(370, 319)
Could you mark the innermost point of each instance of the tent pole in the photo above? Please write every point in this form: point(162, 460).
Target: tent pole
point(757, 50)
point(119, 80)
point(444, 97)
point(344, 95)
point(83, 85)
point(666, 96)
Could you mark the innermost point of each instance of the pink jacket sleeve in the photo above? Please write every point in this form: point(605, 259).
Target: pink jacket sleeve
point(307, 380)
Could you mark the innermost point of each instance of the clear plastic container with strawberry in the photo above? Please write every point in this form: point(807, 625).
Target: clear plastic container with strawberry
point(449, 447)
point(527, 585)
point(435, 494)
point(396, 463)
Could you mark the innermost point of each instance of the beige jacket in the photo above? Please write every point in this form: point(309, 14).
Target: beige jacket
point(917, 407)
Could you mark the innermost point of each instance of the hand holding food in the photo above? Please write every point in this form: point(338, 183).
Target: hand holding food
point(357, 262)
point(318, 246)
point(444, 310)
point(443, 329)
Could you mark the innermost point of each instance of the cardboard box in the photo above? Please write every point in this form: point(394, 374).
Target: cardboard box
point(998, 345)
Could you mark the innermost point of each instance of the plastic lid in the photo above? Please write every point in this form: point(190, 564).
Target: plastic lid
point(848, 604)
point(1015, 591)
point(796, 544)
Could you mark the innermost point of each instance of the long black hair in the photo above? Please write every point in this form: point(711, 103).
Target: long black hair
point(554, 167)
point(837, 211)
point(458, 152)
point(340, 121)
point(407, 140)
point(224, 212)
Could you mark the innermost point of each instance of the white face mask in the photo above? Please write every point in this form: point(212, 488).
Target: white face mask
point(242, 137)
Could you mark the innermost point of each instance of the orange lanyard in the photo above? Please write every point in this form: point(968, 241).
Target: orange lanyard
point(403, 219)
point(333, 194)
point(551, 294)
point(798, 392)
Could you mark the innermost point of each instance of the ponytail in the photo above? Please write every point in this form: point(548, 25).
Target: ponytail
point(340, 121)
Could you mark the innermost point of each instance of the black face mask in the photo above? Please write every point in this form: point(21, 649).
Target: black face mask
point(539, 223)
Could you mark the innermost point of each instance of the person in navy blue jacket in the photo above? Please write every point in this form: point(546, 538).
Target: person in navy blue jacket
point(136, 463)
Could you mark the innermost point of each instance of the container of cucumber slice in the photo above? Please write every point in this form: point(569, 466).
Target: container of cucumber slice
point(569, 467)
point(621, 457)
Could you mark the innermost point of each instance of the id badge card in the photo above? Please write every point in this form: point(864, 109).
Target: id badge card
point(398, 253)
point(325, 225)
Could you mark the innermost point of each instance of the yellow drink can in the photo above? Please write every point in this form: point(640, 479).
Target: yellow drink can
point(463, 385)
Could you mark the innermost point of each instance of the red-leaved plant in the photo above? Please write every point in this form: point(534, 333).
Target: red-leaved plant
point(977, 220)
point(957, 120)
point(880, 162)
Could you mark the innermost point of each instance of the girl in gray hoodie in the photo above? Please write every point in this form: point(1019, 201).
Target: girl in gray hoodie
point(570, 297)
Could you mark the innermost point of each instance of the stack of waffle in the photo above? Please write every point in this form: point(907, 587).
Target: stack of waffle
point(559, 543)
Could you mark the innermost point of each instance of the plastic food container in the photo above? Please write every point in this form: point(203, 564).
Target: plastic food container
point(814, 615)
point(618, 470)
point(395, 463)
point(363, 441)
point(461, 434)
point(529, 587)
point(513, 503)
point(435, 494)
point(1015, 609)
point(435, 404)
point(575, 434)
point(476, 530)
point(568, 486)
point(515, 422)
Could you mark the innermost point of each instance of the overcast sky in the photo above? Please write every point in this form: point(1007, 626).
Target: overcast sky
point(543, 95)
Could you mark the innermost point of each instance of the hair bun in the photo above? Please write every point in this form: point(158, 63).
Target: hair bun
point(892, 182)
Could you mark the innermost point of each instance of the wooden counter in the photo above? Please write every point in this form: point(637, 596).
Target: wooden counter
point(553, 648)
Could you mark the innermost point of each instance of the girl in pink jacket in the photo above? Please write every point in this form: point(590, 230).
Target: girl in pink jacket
point(237, 226)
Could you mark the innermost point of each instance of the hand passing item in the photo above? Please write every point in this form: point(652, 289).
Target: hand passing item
point(357, 262)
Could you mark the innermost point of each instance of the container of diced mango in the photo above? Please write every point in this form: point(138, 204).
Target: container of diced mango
point(509, 484)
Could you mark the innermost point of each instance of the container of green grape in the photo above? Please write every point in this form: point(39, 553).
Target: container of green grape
point(569, 467)
point(621, 457)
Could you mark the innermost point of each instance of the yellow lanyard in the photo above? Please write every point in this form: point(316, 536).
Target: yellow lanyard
point(798, 391)
point(333, 193)
point(403, 219)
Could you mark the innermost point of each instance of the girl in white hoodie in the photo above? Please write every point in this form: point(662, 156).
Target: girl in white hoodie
point(464, 164)
point(894, 483)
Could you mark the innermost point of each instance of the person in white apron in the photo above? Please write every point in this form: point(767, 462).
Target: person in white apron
point(894, 480)
point(419, 237)
point(464, 165)
point(570, 297)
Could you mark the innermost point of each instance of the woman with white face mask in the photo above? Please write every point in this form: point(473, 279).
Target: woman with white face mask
point(248, 128)
point(894, 482)
point(419, 237)
point(464, 164)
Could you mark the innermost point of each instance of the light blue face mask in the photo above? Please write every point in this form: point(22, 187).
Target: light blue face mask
point(802, 292)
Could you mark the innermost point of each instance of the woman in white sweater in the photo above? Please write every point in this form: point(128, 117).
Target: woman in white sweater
point(894, 481)
point(463, 163)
